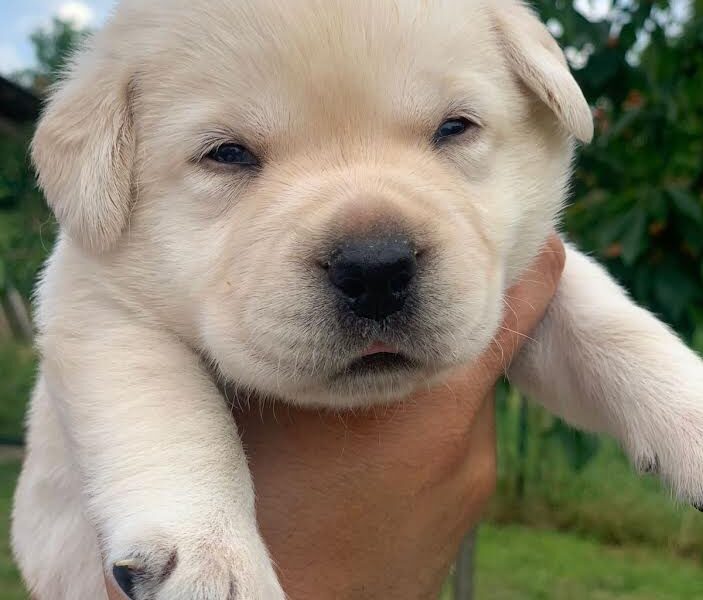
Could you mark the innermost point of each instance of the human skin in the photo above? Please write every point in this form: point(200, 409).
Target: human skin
point(375, 503)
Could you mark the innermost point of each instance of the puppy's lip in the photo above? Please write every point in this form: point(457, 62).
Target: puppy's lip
point(378, 363)
point(379, 348)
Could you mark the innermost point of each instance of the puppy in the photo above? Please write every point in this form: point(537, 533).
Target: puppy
point(322, 202)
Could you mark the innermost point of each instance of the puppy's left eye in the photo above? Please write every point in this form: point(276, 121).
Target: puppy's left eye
point(233, 154)
point(453, 128)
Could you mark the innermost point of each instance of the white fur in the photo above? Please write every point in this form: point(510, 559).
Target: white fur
point(173, 275)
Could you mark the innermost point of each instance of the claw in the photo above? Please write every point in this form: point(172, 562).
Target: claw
point(650, 466)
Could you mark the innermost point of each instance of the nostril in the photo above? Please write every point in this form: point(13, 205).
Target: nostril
point(347, 277)
point(352, 288)
point(400, 282)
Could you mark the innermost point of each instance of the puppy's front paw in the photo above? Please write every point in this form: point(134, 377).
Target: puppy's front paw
point(234, 568)
point(672, 448)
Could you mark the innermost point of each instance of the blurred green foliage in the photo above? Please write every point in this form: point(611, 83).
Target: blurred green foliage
point(638, 188)
point(17, 365)
point(26, 227)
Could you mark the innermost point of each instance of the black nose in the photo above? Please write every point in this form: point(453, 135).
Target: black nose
point(373, 275)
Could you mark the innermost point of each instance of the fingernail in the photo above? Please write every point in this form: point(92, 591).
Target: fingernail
point(123, 572)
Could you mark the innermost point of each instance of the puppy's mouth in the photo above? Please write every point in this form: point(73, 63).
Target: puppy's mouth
point(378, 348)
point(379, 359)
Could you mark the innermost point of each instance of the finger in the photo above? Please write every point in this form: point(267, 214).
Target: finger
point(525, 305)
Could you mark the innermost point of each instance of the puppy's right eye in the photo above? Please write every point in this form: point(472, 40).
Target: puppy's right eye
point(453, 128)
point(233, 154)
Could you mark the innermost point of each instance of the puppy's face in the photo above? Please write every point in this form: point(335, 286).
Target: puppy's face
point(328, 199)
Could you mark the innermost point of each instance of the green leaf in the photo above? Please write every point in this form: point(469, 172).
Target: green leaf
point(634, 240)
point(674, 290)
point(687, 204)
point(626, 121)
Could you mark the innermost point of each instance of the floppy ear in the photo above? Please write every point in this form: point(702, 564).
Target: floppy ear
point(537, 59)
point(83, 150)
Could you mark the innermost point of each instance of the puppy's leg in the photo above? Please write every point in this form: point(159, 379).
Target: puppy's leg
point(606, 365)
point(53, 543)
point(165, 480)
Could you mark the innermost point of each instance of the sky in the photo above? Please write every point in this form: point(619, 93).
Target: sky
point(19, 18)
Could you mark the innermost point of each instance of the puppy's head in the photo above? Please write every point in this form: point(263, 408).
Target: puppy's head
point(327, 198)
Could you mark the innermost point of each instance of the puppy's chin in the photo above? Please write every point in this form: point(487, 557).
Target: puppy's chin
point(364, 382)
point(367, 381)
point(363, 388)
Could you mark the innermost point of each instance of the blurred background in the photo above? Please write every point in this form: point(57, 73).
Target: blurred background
point(570, 519)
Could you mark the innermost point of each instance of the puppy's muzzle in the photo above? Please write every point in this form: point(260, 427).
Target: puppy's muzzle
point(373, 276)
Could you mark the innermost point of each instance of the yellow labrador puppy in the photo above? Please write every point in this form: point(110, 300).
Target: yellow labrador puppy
point(322, 201)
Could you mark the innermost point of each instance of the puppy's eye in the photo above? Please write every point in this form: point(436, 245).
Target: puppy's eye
point(233, 154)
point(452, 128)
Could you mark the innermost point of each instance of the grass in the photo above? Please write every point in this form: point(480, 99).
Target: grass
point(10, 586)
point(516, 563)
